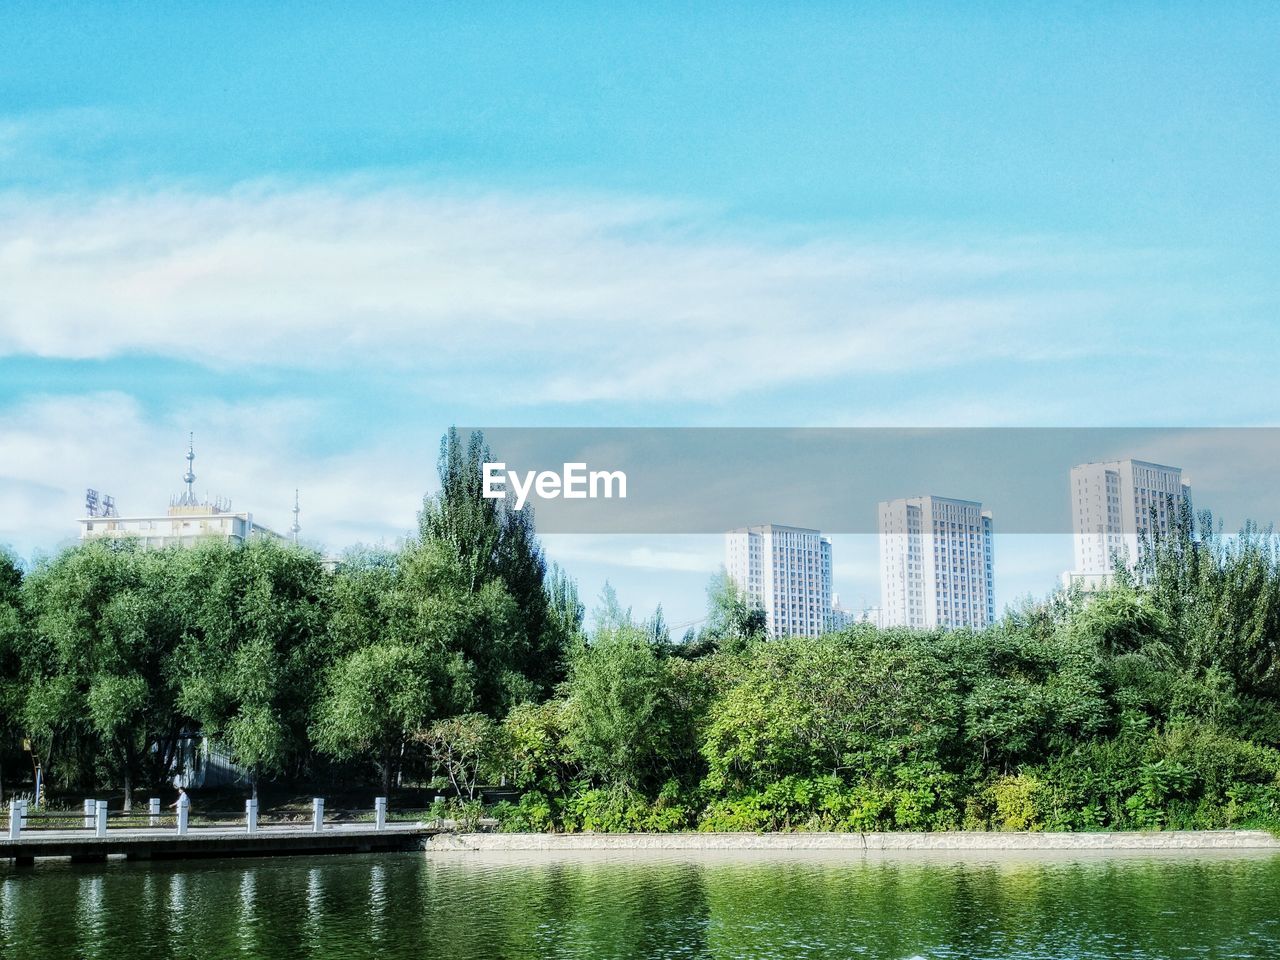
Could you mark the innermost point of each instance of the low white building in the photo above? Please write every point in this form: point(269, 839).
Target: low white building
point(176, 528)
point(187, 521)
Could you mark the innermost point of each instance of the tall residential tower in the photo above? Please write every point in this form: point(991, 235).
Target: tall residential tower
point(935, 563)
point(787, 570)
point(1115, 504)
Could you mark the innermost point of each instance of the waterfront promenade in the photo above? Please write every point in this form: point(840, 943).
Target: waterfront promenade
point(31, 835)
point(222, 841)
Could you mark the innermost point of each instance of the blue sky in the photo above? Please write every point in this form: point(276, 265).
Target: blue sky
point(319, 235)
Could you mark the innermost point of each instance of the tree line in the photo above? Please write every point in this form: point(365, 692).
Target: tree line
point(112, 658)
point(463, 659)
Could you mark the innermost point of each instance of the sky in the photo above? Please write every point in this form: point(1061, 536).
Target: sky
point(318, 234)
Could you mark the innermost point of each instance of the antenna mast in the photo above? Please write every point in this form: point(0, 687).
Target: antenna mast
point(188, 499)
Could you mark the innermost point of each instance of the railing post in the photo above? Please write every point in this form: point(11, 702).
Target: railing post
point(15, 820)
point(90, 811)
point(317, 814)
point(251, 816)
point(100, 819)
point(379, 813)
point(22, 812)
point(153, 812)
point(184, 813)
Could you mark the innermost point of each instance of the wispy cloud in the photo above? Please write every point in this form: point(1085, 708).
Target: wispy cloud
point(683, 553)
point(46, 139)
point(555, 299)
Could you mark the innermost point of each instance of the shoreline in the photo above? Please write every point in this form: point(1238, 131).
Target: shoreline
point(959, 841)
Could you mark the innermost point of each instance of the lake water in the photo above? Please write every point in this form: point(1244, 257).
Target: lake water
point(464, 906)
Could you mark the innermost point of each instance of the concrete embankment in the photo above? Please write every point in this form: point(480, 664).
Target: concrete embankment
point(992, 842)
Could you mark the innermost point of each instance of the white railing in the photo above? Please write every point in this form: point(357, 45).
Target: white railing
point(94, 816)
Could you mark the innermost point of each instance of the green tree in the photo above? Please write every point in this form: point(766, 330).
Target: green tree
point(1220, 597)
point(12, 645)
point(616, 726)
point(495, 543)
point(1027, 695)
point(366, 600)
point(857, 705)
point(374, 700)
point(100, 675)
point(467, 748)
point(539, 756)
point(565, 616)
point(734, 620)
point(472, 633)
point(252, 661)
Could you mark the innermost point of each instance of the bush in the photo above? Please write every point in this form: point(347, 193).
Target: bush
point(532, 813)
point(1015, 803)
point(599, 810)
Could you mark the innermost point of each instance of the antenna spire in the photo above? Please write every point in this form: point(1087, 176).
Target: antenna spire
point(296, 510)
point(189, 478)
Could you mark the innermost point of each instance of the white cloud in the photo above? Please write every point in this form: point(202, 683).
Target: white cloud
point(677, 553)
point(552, 299)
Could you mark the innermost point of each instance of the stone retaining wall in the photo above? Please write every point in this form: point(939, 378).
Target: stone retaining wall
point(1168, 840)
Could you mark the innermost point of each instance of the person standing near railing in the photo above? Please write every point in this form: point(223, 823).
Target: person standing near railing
point(183, 805)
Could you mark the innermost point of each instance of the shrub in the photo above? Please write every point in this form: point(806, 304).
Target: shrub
point(1014, 800)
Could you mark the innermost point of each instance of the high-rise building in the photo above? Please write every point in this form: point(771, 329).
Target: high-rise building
point(935, 563)
point(188, 520)
point(1115, 505)
point(787, 571)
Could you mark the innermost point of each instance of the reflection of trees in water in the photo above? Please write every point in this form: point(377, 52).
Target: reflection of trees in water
point(1091, 909)
point(487, 908)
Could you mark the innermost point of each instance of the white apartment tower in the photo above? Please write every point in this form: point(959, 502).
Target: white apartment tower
point(935, 563)
point(1115, 504)
point(787, 570)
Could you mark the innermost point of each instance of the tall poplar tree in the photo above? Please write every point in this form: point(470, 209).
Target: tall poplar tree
point(495, 543)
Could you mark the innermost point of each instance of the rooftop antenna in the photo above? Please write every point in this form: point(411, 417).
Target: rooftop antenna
point(296, 510)
point(99, 506)
point(189, 478)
